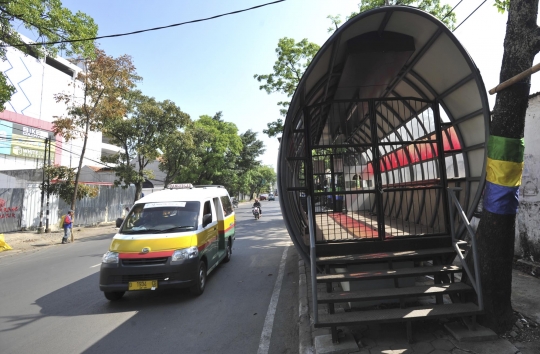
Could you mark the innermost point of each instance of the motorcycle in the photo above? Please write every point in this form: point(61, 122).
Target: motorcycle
point(235, 203)
point(256, 212)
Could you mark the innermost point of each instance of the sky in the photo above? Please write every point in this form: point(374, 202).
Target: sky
point(209, 66)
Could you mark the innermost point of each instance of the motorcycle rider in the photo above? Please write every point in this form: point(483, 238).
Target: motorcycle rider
point(258, 205)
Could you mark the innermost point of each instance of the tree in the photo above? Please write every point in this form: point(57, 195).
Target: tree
point(246, 161)
point(252, 148)
point(104, 83)
point(260, 179)
point(496, 231)
point(217, 144)
point(52, 23)
point(294, 58)
point(178, 150)
point(62, 184)
point(142, 135)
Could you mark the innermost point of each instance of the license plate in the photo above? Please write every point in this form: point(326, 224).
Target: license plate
point(143, 285)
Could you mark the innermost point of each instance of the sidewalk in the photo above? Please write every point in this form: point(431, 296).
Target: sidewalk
point(431, 336)
point(31, 241)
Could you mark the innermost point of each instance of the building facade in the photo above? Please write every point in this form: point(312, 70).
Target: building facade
point(28, 118)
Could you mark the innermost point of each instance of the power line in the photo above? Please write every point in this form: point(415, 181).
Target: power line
point(149, 29)
point(449, 12)
point(469, 15)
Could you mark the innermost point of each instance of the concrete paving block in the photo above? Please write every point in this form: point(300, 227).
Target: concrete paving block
point(461, 333)
point(499, 346)
point(347, 344)
point(525, 290)
point(528, 348)
point(443, 344)
point(459, 351)
point(422, 347)
point(367, 342)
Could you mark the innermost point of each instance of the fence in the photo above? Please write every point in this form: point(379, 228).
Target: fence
point(23, 207)
point(11, 205)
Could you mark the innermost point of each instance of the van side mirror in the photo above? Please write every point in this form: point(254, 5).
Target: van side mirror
point(207, 219)
point(119, 222)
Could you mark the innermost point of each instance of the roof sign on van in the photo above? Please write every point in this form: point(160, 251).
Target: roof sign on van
point(180, 186)
point(166, 204)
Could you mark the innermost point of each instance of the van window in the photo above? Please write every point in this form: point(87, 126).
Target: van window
point(227, 205)
point(162, 217)
point(208, 210)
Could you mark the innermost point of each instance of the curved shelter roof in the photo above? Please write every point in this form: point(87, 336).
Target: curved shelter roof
point(412, 65)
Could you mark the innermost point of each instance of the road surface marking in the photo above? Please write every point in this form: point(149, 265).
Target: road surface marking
point(97, 265)
point(264, 344)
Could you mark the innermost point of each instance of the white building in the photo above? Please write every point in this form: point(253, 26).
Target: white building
point(27, 120)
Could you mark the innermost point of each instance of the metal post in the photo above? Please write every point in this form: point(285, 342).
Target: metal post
point(40, 228)
point(47, 229)
point(313, 263)
point(377, 170)
point(442, 162)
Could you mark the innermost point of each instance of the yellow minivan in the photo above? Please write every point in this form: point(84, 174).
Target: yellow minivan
point(170, 239)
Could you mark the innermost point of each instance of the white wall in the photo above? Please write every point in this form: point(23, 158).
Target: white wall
point(528, 218)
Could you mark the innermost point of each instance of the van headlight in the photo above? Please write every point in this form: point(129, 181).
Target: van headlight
point(110, 257)
point(185, 253)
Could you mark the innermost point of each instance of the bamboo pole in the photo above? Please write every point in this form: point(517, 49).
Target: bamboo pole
point(515, 79)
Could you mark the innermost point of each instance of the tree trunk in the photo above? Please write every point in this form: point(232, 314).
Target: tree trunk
point(85, 140)
point(496, 232)
point(138, 191)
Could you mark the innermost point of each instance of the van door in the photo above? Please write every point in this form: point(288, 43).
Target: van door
point(210, 233)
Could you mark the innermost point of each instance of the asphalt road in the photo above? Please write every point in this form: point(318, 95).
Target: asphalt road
point(50, 301)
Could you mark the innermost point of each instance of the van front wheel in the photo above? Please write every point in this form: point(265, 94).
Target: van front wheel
point(198, 288)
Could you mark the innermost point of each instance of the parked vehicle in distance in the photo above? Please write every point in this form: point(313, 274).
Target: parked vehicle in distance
point(263, 197)
point(271, 197)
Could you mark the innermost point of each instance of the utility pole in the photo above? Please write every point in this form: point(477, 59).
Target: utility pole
point(40, 228)
point(47, 229)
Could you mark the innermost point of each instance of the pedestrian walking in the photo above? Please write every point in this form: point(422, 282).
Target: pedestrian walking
point(67, 224)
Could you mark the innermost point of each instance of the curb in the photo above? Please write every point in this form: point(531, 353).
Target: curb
point(304, 323)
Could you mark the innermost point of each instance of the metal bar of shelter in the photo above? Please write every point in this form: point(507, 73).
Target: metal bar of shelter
point(476, 280)
point(312, 256)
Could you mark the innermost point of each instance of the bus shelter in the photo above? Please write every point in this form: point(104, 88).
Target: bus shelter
point(391, 111)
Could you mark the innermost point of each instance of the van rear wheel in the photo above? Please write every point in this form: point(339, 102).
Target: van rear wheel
point(198, 288)
point(114, 295)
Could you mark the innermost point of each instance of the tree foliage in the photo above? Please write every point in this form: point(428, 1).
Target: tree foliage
point(50, 22)
point(143, 135)
point(100, 92)
point(217, 144)
point(293, 59)
point(178, 154)
point(260, 180)
point(246, 161)
point(62, 184)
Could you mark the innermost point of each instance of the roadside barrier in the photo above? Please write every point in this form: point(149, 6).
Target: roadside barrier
point(3, 245)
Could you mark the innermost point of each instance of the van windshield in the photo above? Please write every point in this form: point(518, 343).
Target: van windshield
point(162, 217)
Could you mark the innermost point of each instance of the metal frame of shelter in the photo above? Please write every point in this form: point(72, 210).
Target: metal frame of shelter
point(391, 113)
